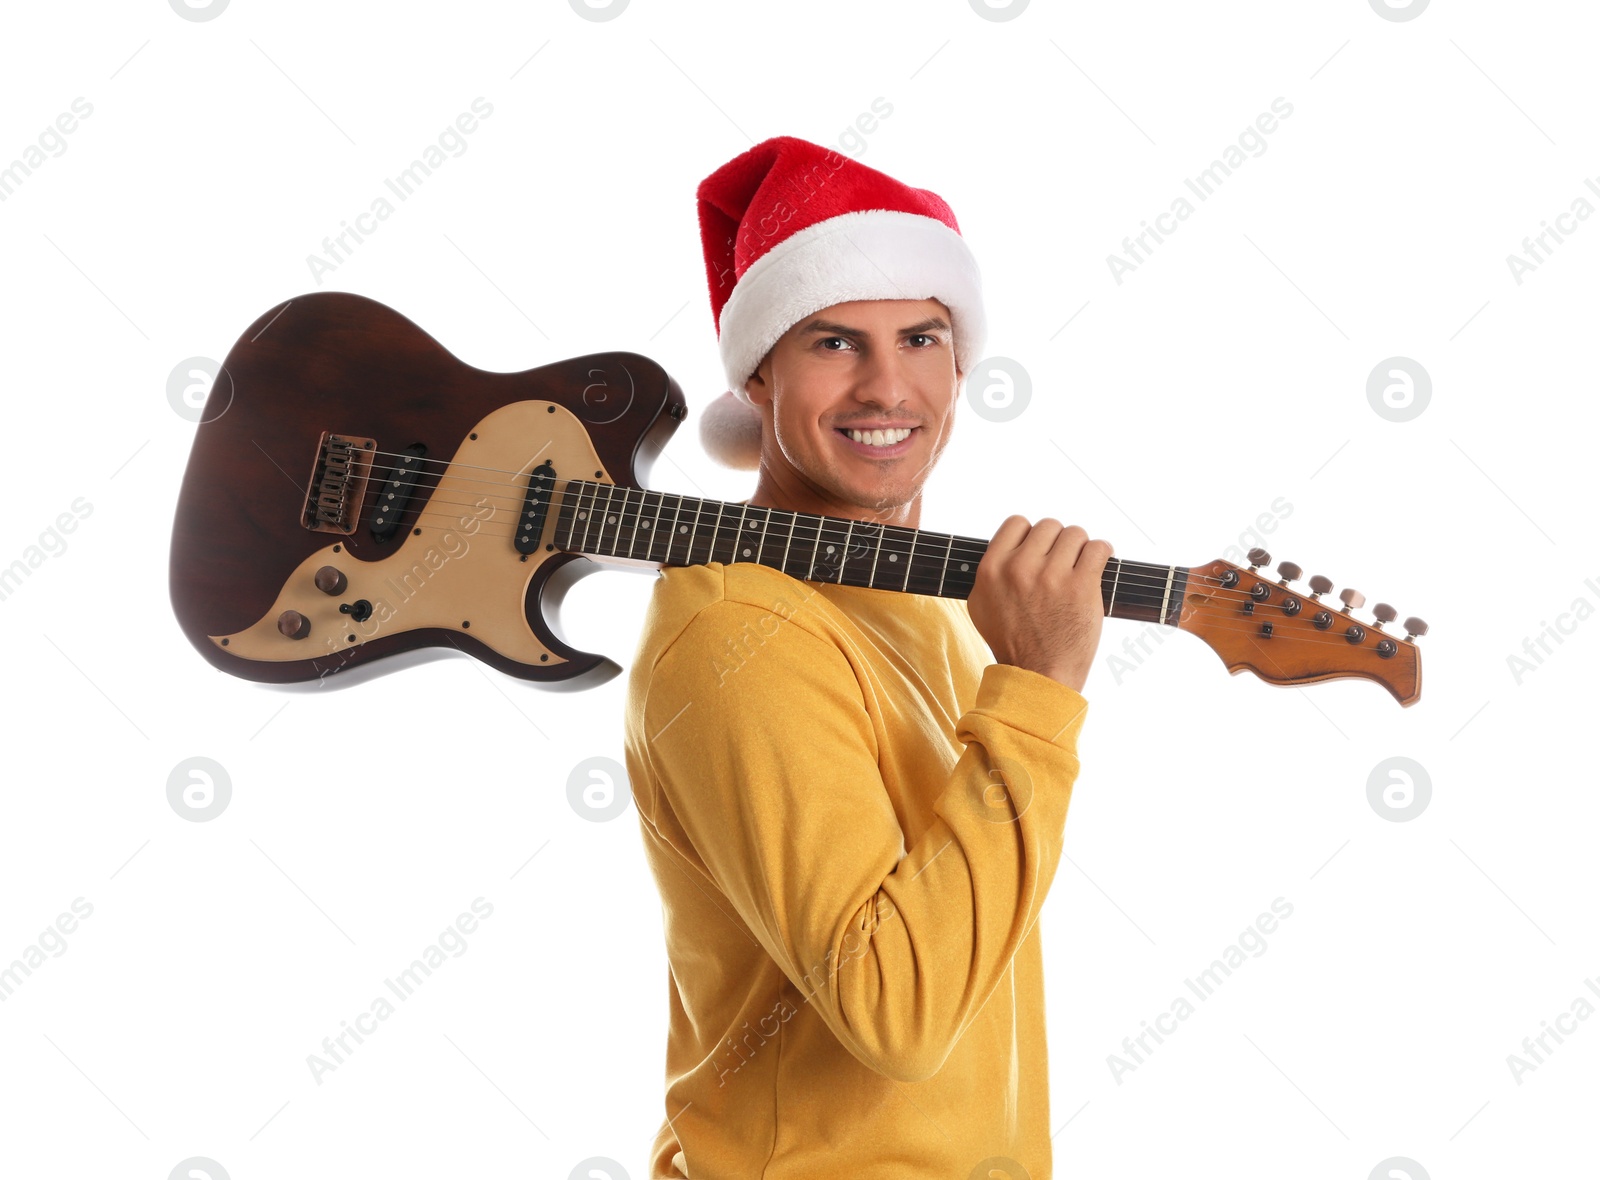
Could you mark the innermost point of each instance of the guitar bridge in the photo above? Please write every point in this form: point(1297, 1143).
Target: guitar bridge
point(338, 483)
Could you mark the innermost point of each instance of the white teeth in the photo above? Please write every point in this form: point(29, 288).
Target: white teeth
point(879, 438)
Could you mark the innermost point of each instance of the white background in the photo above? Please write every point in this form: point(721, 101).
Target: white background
point(1229, 370)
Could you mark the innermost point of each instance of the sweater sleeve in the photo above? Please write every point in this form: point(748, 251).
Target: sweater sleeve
point(763, 748)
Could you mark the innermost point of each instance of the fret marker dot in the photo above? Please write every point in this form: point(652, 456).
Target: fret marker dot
point(583, 516)
point(963, 567)
point(894, 557)
point(683, 528)
point(644, 524)
point(611, 520)
point(746, 552)
point(830, 548)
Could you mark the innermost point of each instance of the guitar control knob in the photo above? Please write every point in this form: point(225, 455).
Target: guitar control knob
point(1258, 558)
point(1351, 599)
point(1320, 586)
point(330, 580)
point(1290, 571)
point(1415, 627)
point(294, 625)
point(1384, 613)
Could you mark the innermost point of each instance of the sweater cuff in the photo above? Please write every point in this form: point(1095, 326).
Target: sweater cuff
point(1032, 702)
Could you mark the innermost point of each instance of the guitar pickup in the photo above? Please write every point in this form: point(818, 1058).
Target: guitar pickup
point(394, 494)
point(530, 525)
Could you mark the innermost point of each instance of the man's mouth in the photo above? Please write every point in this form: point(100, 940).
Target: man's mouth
point(886, 441)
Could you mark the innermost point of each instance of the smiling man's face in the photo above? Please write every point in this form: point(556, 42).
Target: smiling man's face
point(875, 364)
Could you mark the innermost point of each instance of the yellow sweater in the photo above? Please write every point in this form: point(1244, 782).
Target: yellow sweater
point(853, 817)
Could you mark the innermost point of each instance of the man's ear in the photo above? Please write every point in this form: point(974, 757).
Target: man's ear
point(756, 386)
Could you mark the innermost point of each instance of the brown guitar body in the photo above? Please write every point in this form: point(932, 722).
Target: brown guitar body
point(245, 565)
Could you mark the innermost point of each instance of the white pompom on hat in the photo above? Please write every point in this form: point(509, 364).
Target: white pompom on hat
point(790, 228)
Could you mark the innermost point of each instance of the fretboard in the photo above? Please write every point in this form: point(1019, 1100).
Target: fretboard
point(667, 529)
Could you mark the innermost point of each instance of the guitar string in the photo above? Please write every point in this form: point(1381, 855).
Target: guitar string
point(519, 495)
point(967, 547)
point(1135, 574)
point(1139, 574)
point(1217, 616)
point(973, 546)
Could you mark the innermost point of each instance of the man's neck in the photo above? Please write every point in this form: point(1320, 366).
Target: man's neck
point(795, 495)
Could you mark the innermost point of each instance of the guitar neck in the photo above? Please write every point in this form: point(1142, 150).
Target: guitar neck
point(667, 529)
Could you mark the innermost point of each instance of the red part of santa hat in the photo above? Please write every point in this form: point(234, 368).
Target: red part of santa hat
point(789, 228)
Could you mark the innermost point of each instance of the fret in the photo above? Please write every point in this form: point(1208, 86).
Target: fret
point(694, 530)
point(622, 523)
point(656, 530)
point(716, 537)
point(963, 571)
point(733, 541)
point(1111, 606)
point(811, 570)
point(865, 543)
point(588, 513)
point(651, 500)
point(925, 569)
point(654, 500)
point(571, 499)
point(738, 534)
point(567, 514)
point(615, 516)
point(716, 523)
point(784, 564)
point(828, 549)
point(946, 568)
point(605, 519)
point(900, 534)
point(749, 526)
point(766, 527)
point(673, 535)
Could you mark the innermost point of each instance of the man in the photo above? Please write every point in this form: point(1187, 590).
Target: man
point(853, 811)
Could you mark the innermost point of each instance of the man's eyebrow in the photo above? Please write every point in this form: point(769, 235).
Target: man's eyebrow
point(835, 329)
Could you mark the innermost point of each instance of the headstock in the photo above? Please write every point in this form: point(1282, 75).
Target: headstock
point(1261, 624)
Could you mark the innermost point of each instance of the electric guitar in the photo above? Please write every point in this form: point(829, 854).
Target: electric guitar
point(355, 492)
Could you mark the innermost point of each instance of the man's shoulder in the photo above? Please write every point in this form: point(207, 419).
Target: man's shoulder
point(683, 594)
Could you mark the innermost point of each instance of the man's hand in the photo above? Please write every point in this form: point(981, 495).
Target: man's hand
point(1036, 598)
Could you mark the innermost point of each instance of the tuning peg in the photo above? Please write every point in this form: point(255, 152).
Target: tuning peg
point(1258, 558)
point(1319, 586)
point(1290, 571)
point(1384, 613)
point(1415, 627)
point(1351, 599)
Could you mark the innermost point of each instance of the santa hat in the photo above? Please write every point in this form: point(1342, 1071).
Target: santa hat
point(789, 228)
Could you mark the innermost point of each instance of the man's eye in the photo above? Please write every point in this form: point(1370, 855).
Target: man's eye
point(925, 336)
point(831, 339)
